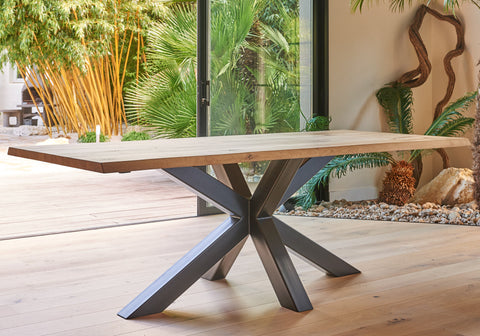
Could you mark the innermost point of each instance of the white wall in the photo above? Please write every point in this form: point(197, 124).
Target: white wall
point(372, 48)
point(466, 69)
point(10, 89)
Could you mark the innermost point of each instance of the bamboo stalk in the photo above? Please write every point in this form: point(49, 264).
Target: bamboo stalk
point(75, 99)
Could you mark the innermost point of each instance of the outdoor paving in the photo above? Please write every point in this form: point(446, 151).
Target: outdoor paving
point(38, 198)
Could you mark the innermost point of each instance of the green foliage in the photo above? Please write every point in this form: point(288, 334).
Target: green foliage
point(90, 137)
point(245, 97)
point(397, 101)
point(65, 32)
point(451, 122)
point(136, 136)
point(338, 167)
point(276, 13)
point(164, 100)
point(318, 123)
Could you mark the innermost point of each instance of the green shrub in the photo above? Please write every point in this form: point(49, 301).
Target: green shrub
point(318, 123)
point(91, 137)
point(135, 136)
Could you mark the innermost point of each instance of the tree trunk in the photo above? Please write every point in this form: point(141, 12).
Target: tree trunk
point(476, 151)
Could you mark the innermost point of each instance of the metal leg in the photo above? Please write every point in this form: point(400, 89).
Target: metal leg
point(231, 176)
point(273, 185)
point(209, 189)
point(279, 266)
point(305, 173)
point(250, 215)
point(163, 291)
point(269, 245)
point(220, 270)
point(313, 253)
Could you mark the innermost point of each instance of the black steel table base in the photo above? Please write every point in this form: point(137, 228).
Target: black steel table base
point(250, 215)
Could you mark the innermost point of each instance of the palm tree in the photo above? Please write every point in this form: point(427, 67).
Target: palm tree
point(250, 59)
point(396, 101)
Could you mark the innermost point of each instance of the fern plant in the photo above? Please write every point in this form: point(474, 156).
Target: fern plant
point(397, 102)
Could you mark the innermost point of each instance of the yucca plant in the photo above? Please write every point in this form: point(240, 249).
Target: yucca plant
point(396, 101)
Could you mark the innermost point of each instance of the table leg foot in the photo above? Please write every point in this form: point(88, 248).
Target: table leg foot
point(313, 253)
point(281, 272)
point(169, 286)
point(220, 270)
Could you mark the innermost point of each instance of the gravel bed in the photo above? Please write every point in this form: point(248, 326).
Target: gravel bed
point(461, 214)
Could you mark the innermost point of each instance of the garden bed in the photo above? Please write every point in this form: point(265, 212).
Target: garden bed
point(461, 214)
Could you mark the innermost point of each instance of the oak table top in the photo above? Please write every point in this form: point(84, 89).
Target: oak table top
point(187, 152)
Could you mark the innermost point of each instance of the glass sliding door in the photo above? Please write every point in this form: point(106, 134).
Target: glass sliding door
point(255, 68)
point(260, 68)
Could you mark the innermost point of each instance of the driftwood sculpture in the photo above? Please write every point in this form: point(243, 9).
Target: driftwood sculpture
point(419, 75)
point(476, 150)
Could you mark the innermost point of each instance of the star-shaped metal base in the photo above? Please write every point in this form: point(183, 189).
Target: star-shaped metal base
point(250, 215)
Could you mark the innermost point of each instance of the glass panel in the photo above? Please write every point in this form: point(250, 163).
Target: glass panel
point(260, 68)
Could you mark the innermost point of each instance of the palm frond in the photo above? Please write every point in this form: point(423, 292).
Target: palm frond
point(452, 122)
point(175, 37)
point(397, 101)
point(339, 166)
point(456, 126)
point(276, 37)
point(462, 103)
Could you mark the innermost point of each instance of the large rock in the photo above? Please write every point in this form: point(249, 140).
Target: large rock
point(451, 186)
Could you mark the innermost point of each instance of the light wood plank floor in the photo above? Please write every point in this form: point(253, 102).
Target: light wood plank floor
point(69, 261)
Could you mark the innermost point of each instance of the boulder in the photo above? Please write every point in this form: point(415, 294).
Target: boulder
point(451, 186)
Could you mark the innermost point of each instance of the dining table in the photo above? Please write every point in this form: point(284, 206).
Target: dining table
point(294, 158)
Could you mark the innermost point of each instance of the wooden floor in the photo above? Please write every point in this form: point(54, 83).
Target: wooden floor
point(70, 260)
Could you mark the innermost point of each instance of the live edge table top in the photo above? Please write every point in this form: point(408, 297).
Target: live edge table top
point(113, 157)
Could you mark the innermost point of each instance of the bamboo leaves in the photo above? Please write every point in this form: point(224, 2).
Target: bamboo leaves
point(78, 55)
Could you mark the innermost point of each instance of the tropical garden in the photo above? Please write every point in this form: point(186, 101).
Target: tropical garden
point(110, 62)
point(254, 70)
